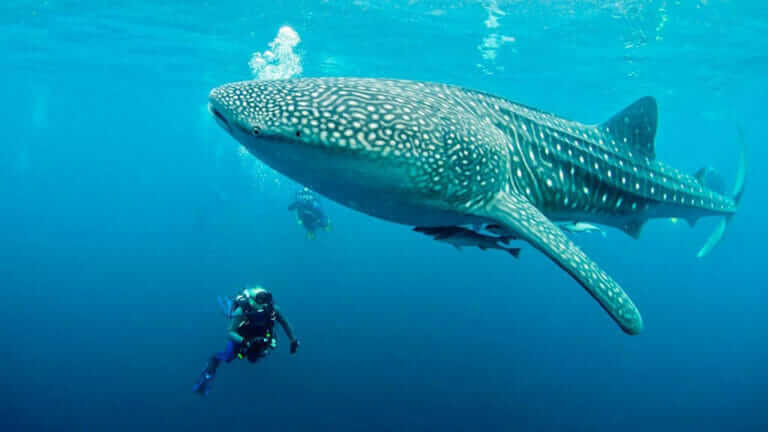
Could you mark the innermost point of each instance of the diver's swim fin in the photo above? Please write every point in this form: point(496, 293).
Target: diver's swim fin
point(203, 384)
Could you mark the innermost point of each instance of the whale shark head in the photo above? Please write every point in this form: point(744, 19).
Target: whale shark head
point(267, 117)
point(294, 126)
point(360, 142)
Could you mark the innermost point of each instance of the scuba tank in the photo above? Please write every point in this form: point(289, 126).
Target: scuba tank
point(260, 317)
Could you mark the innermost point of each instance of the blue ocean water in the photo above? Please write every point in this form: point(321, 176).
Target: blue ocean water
point(125, 211)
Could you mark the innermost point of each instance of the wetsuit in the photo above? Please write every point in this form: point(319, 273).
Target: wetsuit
point(308, 211)
point(254, 326)
point(251, 334)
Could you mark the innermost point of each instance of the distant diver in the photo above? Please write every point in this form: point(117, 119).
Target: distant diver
point(252, 316)
point(460, 237)
point(309, 213)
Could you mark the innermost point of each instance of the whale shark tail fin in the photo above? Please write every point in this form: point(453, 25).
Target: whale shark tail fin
point(738, 191)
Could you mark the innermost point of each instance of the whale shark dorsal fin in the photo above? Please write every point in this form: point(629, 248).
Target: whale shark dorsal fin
point(635, 126)
point(516, 214)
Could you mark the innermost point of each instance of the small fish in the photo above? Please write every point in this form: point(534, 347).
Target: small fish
point(459, 237)
point(571, 227)
point(580, 227)
point(498, 230)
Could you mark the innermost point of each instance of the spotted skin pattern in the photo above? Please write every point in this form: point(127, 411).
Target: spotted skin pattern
point(521, 217)
point(450, 154)
point(432, 154)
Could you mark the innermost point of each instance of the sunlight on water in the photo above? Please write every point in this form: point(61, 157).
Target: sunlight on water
point(492, 41)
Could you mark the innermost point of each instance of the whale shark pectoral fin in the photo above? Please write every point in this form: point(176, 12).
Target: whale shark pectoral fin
point(518, 215)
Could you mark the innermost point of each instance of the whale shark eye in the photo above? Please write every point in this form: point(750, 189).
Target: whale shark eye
point(255, 131)
point(298, 133)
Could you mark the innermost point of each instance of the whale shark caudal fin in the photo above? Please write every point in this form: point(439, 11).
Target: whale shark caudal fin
point(635, 126)
point(738, 191)
point(519, 216)
point(711, 179)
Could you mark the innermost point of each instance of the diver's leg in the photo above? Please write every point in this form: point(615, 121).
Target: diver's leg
point(229, 353)
point(203, 384)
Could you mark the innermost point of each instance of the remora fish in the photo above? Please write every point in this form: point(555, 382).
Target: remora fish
point(579, 227)
point(460, 237)
point(425, 154)
point(567, 226)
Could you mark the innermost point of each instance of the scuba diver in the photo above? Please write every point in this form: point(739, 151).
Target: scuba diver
point(251, 335)
point(309, 213)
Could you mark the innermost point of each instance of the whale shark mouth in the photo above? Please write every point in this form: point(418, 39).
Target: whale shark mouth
point(219, 117)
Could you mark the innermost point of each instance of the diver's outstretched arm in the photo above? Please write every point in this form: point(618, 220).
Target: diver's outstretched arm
point(288, 330)
point(284, 324)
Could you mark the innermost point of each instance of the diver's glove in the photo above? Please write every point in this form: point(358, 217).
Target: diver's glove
point(294, 346)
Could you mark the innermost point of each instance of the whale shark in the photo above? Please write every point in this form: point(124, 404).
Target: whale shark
point(436, 155)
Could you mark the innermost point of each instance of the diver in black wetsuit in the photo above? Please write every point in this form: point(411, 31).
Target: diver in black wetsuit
point(251, 333)
point(309, 213)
